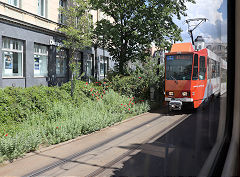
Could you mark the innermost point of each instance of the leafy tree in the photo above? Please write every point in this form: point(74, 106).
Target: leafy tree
point(135, 24)
point(138, 83)
point(78, 29)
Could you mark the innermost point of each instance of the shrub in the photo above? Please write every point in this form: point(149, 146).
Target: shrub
point(139, 82)
point(17, 104)
point(53, 116)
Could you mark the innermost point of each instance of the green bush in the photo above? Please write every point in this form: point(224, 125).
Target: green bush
point(49, 115)
point(17, 104)
point(139, 82)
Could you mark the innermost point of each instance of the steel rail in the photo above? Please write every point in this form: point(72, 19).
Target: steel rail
point(78, 154)
point(130, 151)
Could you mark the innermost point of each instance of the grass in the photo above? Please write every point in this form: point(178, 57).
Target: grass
point(64, 118)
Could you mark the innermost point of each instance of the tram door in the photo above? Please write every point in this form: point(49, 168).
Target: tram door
point(202, 77)
point(198, 79)
point(195, 81)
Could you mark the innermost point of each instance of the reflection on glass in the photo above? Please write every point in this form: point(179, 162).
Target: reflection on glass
point(178, 67)
point(40, 60)
point(61, 63)
point(12, 57)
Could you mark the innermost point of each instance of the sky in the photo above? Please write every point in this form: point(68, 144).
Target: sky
point(214, 29)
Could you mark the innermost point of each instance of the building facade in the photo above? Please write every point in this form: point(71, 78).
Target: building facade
point(219, 48)
point(29, 40)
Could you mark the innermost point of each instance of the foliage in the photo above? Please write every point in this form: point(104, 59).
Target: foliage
point(134, 25)
point(77, 25)
point(53, 116)
point(139, 82)
point(17, 104)
point(78, 32)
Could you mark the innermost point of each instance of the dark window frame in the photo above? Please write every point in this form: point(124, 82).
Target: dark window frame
point(195, 75)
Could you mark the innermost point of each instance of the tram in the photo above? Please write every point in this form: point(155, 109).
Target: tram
point(192, 76)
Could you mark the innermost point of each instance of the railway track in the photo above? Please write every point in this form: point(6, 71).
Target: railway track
point(153, 123)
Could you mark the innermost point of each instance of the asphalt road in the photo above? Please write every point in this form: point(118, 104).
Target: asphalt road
point(153, 144)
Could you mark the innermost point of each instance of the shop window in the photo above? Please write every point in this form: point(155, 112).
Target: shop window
point(40, 60)
point(89, 64)
point(42, 8)
point(61, 63)
point(103, 65)
point(12, 57)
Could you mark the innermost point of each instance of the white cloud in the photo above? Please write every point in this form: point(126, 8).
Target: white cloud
point(209, 39)
point(214, 30)
point(205, 9)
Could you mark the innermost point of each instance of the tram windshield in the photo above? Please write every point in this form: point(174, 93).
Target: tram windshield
point(179, 67)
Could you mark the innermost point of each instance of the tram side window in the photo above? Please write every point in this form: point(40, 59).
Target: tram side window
point(195, 68)
point(202, 68)
point(218, 69)
point(214, 71)
point(209, 68)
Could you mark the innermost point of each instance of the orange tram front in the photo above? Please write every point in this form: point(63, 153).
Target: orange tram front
point(191, 77)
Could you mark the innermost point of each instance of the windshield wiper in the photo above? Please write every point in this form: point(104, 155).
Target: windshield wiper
point(174, 79)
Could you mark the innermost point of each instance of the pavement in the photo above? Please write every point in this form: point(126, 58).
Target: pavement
point(151, 144)
point(95, 152)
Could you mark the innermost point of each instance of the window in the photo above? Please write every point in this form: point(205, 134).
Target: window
point(14, 3)
point(209, 47)
point(40, 60)
point(89, 64)
point(103, 65)
point(219, 47)
point(195, 68)
point(217, 69)
point(42, 8)
point(202, 69)
point(179, 67)
point(63, 4)
point(214, 69)
point(12, 57)
point(61, 63)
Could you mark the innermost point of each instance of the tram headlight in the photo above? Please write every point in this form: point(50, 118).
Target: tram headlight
point(184, 93)
point(170, 93)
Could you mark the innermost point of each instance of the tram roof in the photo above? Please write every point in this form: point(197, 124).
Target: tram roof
point(188, 48)
point(182, 47)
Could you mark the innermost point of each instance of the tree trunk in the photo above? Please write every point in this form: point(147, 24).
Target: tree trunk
point(72, 86)
point(72, 59)
point(121, 67)
point(96, 63)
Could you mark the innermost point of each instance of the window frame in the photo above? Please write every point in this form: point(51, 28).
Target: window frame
point(104, 62)
point(40, 6)
point(223, 159)
point(195, 67)
point(64, 57)
point(12, 2)
point(90, 59)
point(202, 68)
point(40, 54)
point(11, 49)
point(61, 17)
